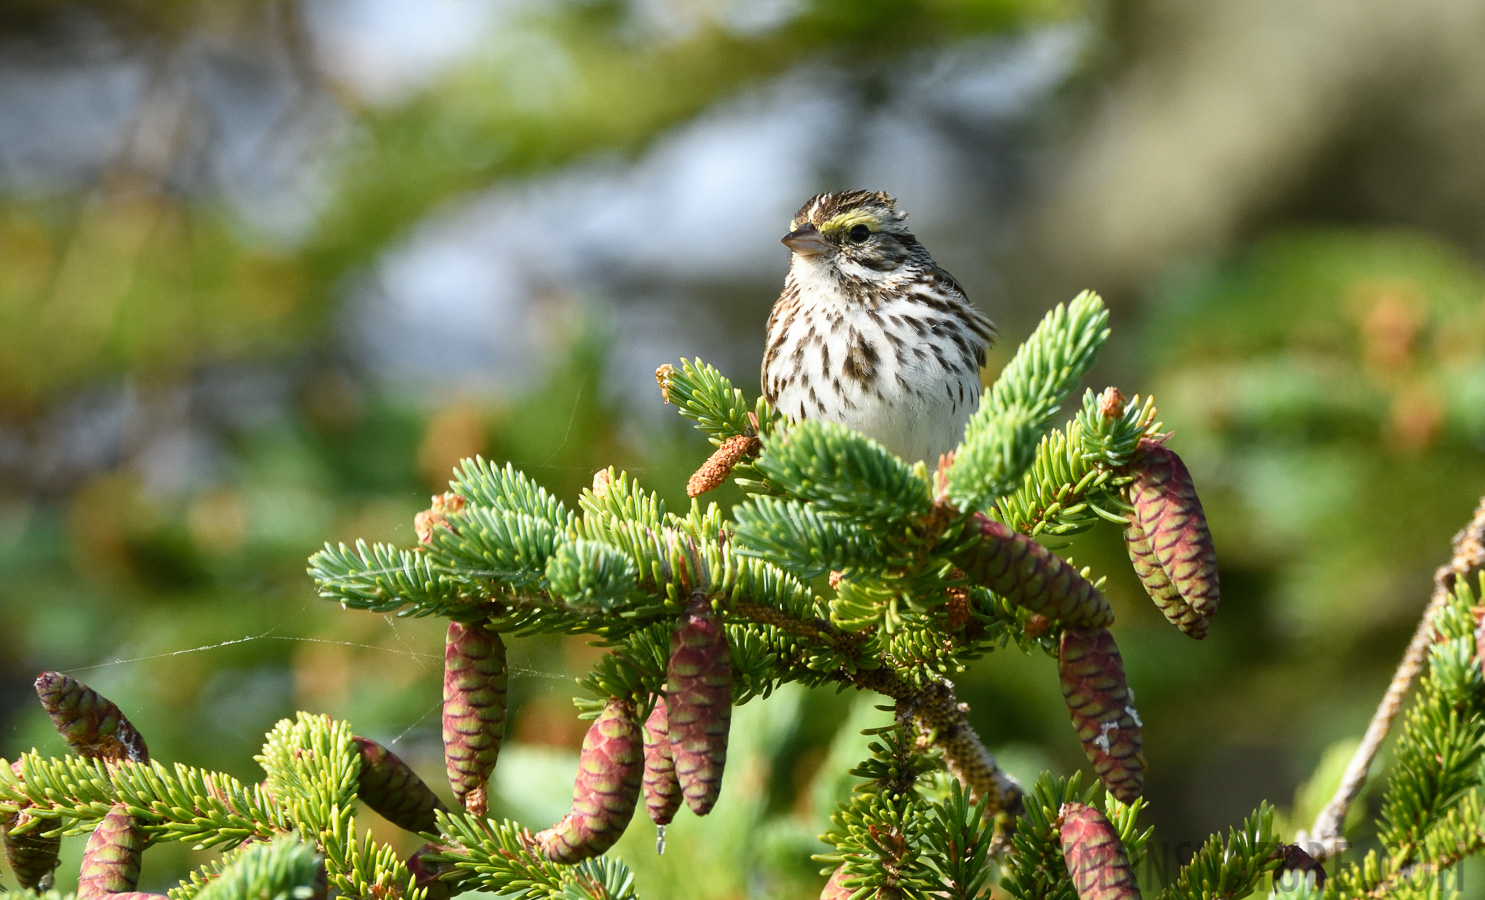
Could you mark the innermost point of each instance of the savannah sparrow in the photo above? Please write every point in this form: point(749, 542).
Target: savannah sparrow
point(870, 332)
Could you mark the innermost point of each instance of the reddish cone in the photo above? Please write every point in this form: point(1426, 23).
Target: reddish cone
point(662, 790)
point(835, 888)
point(390, 786)
point(428, 874)
point(1032, 577)
point(698, 699)
point(32, 857)
point(1093, 685)
point(91, 724)
point(1157, 584)
point(606, 791)
point(1170, 515)
point(1095, 859)
point(474, 684)
point(110, 864)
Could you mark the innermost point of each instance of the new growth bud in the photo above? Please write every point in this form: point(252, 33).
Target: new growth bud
point(662, 790)
point(664, 376)
point(698, 701)
point(32, 857)
point(1033, 577)
point(610, 768)
point(90, 723)
point(474, 685)
point(390, 786)
point(1111, 403)
point(1169, 514)
point(446, 507)
point(1095, 858)
point(1092, 675)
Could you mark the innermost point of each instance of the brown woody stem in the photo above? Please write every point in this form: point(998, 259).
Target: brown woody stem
point(1469, 556)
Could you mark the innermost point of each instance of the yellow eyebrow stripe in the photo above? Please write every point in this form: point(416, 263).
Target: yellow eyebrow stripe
point(847, 220)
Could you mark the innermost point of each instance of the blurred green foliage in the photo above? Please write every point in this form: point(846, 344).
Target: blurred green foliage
point(1327, 389)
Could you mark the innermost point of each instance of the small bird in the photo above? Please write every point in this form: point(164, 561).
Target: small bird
point(870, 332)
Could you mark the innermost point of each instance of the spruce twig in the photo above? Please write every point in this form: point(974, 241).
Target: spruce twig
point(1325, 840)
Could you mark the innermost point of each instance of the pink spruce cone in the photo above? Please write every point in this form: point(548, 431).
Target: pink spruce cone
point(1032, 577)
point(1169, 513)
point(1092, 674)
point(474, 684)
point(110, 864)
point(835, 888)
point(610, 768)
point(1158, 585)
point(698, 700)
point(1095, 858)
point(662, 790)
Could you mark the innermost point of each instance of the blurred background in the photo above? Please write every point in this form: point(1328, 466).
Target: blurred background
point(269, 269)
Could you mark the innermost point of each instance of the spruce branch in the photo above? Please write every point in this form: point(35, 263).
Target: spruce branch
point(1231, 868)
point(1001, 438)
point(313, 771)
point(179, 803)
point(960, 835)
point(721, 412)
point(382, 578)
point(1468, 557)
point(803, 539)
point(508, 489)
point(496, 857)
point(844, 472)
point(1074, 481)
point(880, 833)
point(283, 869)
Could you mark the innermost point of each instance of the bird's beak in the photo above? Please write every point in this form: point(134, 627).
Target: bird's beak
point(806, 240)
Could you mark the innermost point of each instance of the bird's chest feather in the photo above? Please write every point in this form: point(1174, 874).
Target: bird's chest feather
point(883, 367)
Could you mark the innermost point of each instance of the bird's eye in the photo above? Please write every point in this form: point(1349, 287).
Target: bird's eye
point(859, 233)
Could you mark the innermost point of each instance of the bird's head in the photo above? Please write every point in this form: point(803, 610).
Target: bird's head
point(852, 228)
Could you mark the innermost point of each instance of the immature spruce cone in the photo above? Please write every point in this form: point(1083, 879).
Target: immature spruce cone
point(1170, 514)
point(32, 858)
point(698, 700)
point(1031, 576)
point(1157, 584)
point(390, 786)
point(91, 724)
point(610, 768)
point(474, 683)
point(1095, 859)
point(110, 864)
point(1098, 697)
point(835, 888)
point(662, 790)
point(427, 874)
